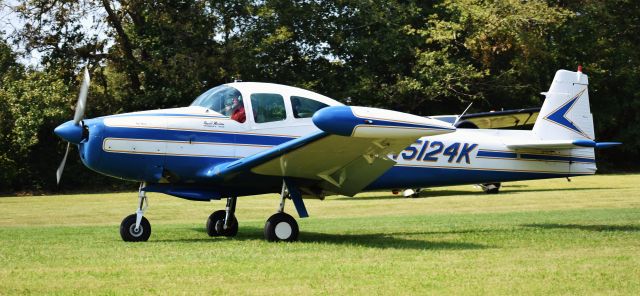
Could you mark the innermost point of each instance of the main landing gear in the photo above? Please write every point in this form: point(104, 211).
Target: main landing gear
point(491, 188)
point(135, 227)
point(279, 227)
point(224, 222)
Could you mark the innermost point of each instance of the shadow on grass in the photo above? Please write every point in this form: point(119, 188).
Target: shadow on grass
point(558, 189)
point(442, 193)
point(514, 185)
point(596, 227)
point(424, 193)
point(376, 240)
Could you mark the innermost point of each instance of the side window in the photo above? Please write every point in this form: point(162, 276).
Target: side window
point(305, 108)
point(268, 107)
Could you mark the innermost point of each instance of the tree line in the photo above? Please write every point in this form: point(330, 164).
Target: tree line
point(422, 57)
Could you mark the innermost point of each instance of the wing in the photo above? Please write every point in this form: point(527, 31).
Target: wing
point(508, 119)
point(352, 149)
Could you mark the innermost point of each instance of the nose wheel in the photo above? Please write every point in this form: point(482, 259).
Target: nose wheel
point(135, 227)
point(130, 233)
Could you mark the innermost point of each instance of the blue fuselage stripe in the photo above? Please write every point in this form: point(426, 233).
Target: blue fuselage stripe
point(195, 136)
point(497, 154)
point(525, 156)
point(167, 115)
point(557, 158)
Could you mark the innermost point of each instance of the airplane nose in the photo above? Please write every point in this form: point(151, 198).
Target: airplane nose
point(70, 132)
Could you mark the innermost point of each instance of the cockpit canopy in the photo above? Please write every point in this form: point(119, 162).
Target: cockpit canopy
point(218, 99)
point(264, 102)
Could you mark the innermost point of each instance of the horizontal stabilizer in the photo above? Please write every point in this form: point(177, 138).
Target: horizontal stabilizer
point(561, 144)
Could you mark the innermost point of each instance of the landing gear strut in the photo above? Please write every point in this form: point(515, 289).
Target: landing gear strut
point(281, 226)
point(135, 227)
point(224, 222)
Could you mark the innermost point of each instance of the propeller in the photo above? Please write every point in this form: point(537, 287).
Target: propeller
point(82, 97)
point(72, 132)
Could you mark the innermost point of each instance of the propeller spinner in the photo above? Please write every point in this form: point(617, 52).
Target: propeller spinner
point(73, 131)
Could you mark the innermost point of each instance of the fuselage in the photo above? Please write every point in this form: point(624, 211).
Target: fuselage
point(179, 145)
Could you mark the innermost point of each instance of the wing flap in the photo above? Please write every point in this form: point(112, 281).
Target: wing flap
point(339, 164)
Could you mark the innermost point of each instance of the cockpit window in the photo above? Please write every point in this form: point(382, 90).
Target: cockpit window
point(223, 99)
point(305, 108)
point(268, 107)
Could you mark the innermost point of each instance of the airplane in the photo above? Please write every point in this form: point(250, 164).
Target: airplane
point(248, 138)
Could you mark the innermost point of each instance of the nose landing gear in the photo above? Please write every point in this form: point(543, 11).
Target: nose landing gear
point(135, 227)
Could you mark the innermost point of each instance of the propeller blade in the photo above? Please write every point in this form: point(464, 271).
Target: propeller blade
point(82, 97)
point(61, 167)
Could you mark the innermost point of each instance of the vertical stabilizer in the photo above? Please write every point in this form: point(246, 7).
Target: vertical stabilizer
point(565, 114)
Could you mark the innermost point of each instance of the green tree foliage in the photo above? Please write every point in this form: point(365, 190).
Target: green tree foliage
point(603, 36)
point(32, 104)
point(424, 57)
point(487, 50)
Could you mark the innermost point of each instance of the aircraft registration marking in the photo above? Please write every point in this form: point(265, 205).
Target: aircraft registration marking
point(430, 151)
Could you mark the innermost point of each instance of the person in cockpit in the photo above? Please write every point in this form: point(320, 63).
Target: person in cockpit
point(236, 110)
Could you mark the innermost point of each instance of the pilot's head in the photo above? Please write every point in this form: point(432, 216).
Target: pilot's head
point(237, 100)
point(228, 101)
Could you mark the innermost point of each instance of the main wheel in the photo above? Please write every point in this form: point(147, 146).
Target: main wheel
point(215, 224)
point(281, 227)
point(491, 188)
point(128, 230)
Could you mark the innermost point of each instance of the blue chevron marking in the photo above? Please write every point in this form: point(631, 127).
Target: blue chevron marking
point(560, 115)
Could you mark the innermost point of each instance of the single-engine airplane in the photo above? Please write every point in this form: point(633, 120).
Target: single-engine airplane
point(246, 138)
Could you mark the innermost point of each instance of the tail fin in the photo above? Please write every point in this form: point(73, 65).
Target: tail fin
point(565, 114)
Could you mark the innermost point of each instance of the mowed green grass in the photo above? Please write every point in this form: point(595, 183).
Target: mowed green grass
point(535, 237)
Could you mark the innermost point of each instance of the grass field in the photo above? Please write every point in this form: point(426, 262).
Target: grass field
point(535, 237)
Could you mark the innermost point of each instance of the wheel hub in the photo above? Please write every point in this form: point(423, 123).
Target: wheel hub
point(283, 230)
point(135, 232)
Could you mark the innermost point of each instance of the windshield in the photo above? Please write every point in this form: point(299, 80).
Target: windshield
point(219, 99)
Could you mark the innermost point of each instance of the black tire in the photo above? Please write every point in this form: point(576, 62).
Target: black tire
point(491, 188)
point(215, 224)
point(128, 233)
point(281, 227)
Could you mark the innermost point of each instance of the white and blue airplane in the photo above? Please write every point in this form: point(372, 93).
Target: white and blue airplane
point(246, 138)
